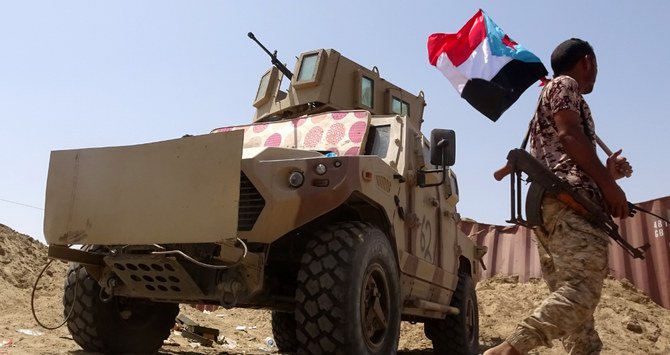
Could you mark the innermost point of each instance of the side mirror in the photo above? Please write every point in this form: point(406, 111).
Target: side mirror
point(442, 154)
point(442, 147)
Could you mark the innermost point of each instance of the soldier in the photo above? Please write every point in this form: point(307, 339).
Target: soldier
point(573, 253)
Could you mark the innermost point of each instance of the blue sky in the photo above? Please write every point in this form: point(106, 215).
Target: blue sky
point(76, 74)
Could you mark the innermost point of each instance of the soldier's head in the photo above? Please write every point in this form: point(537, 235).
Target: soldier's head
point(576, 58)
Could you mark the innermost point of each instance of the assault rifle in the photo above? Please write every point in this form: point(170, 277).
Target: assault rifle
point(282, 68)
point(544, 181)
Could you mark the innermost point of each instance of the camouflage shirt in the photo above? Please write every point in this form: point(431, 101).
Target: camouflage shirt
point(561, 94)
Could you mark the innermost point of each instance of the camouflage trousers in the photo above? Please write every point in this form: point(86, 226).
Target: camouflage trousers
point(573, 256)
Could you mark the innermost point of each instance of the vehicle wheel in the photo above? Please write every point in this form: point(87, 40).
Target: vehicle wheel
point(348, 295)
point(283, 331)
point(457, 334)
point(122, 325)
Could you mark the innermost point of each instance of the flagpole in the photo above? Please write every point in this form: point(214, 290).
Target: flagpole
point(607, 151)
point(604, 146)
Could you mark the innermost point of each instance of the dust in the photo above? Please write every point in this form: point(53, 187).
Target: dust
point(627, 320)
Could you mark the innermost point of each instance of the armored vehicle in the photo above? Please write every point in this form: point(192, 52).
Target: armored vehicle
point(331, 209)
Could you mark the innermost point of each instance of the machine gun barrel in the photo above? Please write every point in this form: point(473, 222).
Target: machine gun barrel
point(282, 68)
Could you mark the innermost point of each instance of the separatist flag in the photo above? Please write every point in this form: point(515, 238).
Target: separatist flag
point(486, 66)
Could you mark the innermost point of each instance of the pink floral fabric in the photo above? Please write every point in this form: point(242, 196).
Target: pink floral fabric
point(342, 133)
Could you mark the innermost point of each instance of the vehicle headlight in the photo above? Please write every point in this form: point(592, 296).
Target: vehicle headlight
point(296, 179)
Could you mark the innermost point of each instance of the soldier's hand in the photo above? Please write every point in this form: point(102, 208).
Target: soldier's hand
point(618, 166)
point(616, 201)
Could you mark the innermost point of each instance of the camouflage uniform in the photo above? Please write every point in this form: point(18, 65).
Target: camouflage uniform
point(573, 254)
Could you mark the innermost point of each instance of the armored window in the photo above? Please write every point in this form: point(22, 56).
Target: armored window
point(263, 86)
point(400, 107)
point(364, 90)
point(266, 87)
point(309, 70)
point(367, 92)
point(308, 67)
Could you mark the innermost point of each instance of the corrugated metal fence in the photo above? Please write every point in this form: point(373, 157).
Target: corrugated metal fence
point(511, 251)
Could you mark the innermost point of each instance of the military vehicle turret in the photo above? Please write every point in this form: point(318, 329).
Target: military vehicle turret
point(331, 209)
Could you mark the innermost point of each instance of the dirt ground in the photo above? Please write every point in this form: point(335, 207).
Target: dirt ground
point(628, 322)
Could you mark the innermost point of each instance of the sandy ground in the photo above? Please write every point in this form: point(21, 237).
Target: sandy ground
point(628, 322)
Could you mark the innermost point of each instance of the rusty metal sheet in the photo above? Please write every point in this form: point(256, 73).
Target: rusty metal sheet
point(512, 251)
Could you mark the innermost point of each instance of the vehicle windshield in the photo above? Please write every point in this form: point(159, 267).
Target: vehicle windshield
point(378, 141)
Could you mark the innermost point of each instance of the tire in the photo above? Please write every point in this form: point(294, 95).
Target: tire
point(348, 295)
point(122, 325)
point(283, 331)
point(457, 334)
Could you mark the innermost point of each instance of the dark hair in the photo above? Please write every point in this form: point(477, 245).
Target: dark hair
point(568, 53)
